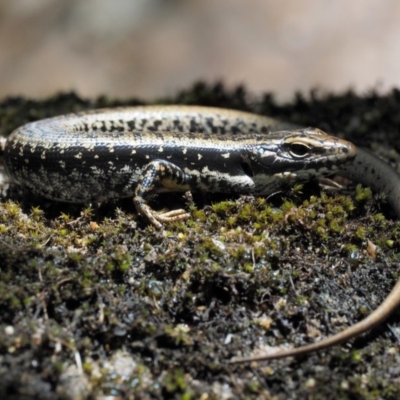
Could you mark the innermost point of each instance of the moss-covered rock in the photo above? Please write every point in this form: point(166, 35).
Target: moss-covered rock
point(99, 301)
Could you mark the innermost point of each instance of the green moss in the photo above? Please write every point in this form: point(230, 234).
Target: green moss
point(363, 193)
point(174, 381)
point(224, 207)
point(350, 248)
point(85, 283)
point(389, 243)
point(361, 233)
point(356, 356)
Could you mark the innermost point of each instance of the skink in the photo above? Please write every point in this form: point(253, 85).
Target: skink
point(137, 152)
point(140, 151)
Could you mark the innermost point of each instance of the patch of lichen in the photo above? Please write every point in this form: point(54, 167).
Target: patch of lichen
point(150, 313)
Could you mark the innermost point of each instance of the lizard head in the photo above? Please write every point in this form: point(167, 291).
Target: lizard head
point(287, 157)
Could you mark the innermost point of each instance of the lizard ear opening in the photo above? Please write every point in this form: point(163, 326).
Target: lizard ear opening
point(247, 169)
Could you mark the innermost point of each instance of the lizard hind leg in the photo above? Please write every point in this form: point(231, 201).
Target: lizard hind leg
point(160, 176)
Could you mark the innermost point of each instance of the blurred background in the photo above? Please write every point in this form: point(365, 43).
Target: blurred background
point(151, 48)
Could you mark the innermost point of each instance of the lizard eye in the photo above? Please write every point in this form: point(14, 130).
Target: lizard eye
point(298, 150)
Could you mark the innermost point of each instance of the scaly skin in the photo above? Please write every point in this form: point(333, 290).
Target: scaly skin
point(139, 151)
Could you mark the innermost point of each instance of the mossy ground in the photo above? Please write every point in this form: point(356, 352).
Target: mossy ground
point(97, 302)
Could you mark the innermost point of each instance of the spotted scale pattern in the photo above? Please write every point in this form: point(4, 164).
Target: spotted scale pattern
point(141, 151)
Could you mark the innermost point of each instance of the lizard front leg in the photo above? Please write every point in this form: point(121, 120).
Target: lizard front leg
point(160, 176)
